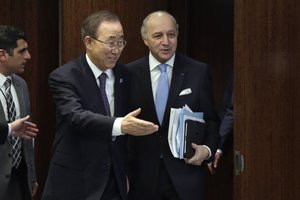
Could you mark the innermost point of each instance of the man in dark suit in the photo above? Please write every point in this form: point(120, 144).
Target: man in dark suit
point(153, 171)
point(17, 171)
point(18, 128)
point(89, 149)
point(226, 127)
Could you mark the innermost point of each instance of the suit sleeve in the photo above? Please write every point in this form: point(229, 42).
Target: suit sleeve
point(3, 132)
point(74, 109)
point(212, 138)
point(226, 127)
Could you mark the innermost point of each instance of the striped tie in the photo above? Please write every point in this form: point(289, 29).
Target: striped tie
point(11, 111)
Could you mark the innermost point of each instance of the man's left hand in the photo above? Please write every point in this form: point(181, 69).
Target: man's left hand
point(201, 153)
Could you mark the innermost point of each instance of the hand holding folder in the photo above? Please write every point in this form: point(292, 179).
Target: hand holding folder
point(194, 133)
point(185, 127)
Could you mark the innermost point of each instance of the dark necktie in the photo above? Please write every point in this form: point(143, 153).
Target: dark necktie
point(102, 79)
point(11, 111)
point(162, 92)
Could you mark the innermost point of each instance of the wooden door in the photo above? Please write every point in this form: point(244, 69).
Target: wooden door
point(267, 99)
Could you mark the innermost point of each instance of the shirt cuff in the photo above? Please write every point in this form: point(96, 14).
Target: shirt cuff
point(9, 130)
point(219, 151)
point(209, 152)
point(116, 131)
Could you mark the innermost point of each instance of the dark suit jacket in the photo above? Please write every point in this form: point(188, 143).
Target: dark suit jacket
point(145, 152)
point(27, 145)
point(226, 127)
point(3, 132)
point(83, 151)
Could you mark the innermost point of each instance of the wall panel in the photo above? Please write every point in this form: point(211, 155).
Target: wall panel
point(131, 14)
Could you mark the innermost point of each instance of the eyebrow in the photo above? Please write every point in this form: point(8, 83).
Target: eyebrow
point(116, 37)
point(23, 50)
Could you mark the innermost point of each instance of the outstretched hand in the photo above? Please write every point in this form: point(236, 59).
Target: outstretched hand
point(23, 128)
point(137, 127)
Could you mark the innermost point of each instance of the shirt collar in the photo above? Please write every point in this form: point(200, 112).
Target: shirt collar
point(3, 79)
point(96, 71)
point(154, 63)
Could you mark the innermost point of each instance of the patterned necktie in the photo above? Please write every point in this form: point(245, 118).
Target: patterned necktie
point(102, 79)
point(11, 112)
point(162, 92)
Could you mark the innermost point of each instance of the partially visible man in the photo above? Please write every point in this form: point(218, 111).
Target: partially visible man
point(89, 149)
point(17, 170)
point(153, 171)
point(226, 127)
point(18, 128)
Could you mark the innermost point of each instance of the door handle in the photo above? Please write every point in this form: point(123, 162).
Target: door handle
point(238, 163)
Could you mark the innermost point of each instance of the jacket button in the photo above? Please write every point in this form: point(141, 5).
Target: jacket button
point(10, 155)
point(7, 176)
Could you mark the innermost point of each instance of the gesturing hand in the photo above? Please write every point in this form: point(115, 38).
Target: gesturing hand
point(23, 128)
point(137, 127)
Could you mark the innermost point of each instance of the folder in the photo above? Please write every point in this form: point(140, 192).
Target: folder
point(194, 133)
point(183, 131)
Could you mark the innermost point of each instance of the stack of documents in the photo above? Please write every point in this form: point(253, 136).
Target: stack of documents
point(185, 127)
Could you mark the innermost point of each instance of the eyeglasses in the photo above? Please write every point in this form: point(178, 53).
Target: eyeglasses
point(113, 44)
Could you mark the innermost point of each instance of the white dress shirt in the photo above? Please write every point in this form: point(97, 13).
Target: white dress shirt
point(109, 89)
point(155, 71)
point(3, 99)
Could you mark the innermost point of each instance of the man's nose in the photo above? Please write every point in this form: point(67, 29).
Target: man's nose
point(27, 55)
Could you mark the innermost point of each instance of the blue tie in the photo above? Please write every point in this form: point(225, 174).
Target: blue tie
point(162, 92)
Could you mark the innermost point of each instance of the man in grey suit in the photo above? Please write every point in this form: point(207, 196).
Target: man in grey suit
point(153, 171)
point(17, 171)
point(18, 128)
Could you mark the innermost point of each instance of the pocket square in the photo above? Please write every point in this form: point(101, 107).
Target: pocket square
point(185, 92)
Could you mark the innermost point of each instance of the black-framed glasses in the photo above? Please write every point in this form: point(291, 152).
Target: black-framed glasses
point(113, 44)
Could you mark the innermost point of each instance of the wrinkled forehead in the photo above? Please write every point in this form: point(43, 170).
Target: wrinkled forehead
point(110, 30)
point(160, 20)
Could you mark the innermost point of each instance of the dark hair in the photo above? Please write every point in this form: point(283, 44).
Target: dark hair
point(9, 36)
point(91, 23)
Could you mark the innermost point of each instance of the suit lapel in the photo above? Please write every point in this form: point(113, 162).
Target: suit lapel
point(146, 88)
point(90, 87)
point(92, 90)
point(179, 73)
point(118, 90)
point(2, 114)
point(20, 94)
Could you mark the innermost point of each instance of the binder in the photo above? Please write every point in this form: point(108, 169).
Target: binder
point(185, 127)
point(194, 133)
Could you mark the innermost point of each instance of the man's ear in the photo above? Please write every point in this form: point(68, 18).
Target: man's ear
point(3, 55)
point(145, 42)
point(87, 41)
